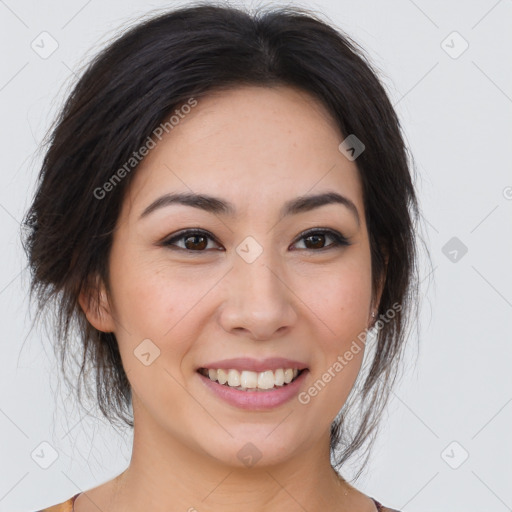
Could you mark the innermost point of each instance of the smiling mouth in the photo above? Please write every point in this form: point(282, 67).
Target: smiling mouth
point(246, 380)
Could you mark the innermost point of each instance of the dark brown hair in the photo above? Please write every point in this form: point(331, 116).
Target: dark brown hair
point(129, 89)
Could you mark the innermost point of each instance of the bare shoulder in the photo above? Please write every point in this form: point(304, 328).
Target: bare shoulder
point(65, 506)
point(381, 508)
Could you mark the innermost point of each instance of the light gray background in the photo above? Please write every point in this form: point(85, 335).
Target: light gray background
point(456, 113)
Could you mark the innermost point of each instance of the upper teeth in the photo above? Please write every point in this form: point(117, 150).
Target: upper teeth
point(252, 380)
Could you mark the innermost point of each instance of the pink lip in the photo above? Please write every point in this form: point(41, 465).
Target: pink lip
point(255, 400)
point(255, 365)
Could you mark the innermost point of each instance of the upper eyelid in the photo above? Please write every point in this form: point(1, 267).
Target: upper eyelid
point(320, 230)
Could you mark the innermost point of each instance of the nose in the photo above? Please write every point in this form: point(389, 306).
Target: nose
point(259, 302)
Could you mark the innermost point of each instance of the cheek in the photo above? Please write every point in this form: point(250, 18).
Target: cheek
point(339, 295)
point(157, 301)
point(343, 308)
point(149, 298)
point(154, 331)
point(340, 298)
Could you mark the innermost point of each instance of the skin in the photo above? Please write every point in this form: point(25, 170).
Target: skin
point(256, 147)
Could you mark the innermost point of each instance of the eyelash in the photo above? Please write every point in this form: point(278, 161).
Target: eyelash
point(339, 239)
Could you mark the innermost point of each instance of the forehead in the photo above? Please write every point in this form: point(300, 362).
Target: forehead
point(255, 146)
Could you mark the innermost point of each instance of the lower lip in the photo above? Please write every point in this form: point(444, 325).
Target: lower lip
point(255, 400)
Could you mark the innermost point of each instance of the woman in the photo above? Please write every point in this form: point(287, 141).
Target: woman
point(225, 213)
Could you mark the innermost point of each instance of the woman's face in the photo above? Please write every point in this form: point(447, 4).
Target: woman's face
point(250, 287)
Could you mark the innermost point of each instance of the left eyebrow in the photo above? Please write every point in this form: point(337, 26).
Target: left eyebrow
point(306, 203)
point(219, 206)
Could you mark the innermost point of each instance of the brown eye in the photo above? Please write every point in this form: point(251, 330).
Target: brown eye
point(195, 242)
point(191, 240)
point(317, 241)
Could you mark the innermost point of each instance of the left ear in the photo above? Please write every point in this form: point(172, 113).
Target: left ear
point(378, 292)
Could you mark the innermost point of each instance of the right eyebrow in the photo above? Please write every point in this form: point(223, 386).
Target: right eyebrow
point(202, 201)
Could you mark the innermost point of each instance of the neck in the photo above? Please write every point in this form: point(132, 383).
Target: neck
point(165, 474)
